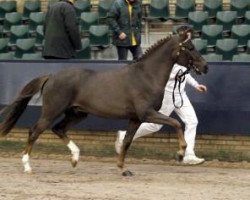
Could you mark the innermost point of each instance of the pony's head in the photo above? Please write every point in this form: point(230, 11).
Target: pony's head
point(186, 54)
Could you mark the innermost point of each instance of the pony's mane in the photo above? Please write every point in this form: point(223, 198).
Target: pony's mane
point(152, 48)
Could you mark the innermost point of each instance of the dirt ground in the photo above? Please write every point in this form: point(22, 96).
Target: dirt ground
point(99, 179)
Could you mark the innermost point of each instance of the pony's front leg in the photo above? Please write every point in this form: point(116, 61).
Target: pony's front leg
point(132, 128)
point(121, 157)
point(182, 144)
point(159, 118)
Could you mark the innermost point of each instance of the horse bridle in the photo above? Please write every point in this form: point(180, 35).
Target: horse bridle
point(180, 75)
point(184, 46)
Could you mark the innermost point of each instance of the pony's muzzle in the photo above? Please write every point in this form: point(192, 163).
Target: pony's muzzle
point(206, 69)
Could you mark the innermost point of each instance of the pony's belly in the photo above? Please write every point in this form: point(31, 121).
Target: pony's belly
point(107, 113)
point(106, 109)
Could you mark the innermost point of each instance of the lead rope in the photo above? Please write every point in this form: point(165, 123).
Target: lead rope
point(179, 78)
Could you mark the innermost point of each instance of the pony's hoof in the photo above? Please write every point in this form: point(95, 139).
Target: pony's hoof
point(120, 164)
point(127, 173)
point(74, 163)
point(179, 157)
point(28, 171)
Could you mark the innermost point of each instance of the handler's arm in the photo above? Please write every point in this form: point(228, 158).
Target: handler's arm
point(191, 81)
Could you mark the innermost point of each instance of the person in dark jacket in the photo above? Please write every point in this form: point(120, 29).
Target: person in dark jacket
point(125, 21)
point(62, 35)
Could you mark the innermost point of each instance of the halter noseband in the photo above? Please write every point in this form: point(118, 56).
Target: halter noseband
point(183, 48)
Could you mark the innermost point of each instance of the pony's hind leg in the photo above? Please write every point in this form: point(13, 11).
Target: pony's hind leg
point(34, 133)
point(71, 117)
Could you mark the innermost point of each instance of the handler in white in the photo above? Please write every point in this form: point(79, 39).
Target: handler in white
point(185, 112)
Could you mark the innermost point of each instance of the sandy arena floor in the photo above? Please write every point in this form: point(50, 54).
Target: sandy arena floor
point(98, 179)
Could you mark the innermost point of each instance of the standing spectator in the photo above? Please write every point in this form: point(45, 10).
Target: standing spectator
point(125, 20)
point(62, 35)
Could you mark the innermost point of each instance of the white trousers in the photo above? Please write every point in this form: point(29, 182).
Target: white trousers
point(186, 114)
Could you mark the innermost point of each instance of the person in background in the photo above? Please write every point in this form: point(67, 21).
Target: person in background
point(181, 106)
point(61, 31)
point(125, 18)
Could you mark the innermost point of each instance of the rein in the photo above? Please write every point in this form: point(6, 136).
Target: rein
point(179, 78)
point(180, 75)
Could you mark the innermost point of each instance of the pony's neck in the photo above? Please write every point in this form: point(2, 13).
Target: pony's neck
point(159, 64)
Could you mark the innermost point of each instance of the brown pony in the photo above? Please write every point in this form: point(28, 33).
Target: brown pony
point(133, 92)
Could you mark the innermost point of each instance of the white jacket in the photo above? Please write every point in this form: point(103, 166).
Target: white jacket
point(188, 79)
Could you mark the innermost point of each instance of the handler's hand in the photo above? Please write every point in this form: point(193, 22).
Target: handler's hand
point(122, 36)
point(201, 88)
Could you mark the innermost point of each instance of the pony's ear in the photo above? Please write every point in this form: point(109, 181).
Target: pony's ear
point(185, 33)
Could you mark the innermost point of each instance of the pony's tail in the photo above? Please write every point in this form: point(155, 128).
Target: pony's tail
point(12, 112)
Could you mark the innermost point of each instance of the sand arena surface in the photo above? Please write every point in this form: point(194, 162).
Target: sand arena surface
point(100, 179)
